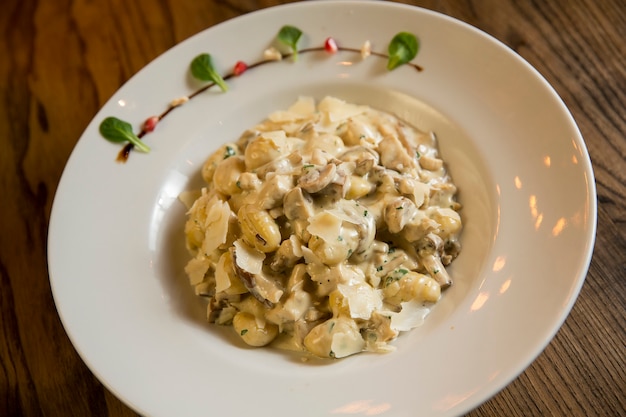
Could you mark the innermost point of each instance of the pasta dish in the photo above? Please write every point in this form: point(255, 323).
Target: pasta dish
point(327, 228)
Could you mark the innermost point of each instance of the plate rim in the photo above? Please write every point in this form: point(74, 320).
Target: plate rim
point(584, 152)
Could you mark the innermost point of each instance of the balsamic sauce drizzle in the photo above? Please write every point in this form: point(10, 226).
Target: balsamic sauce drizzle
point(123, 155)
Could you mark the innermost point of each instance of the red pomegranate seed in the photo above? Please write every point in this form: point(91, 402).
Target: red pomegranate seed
point(240, 68)
point(150, 123)
point(330, 45)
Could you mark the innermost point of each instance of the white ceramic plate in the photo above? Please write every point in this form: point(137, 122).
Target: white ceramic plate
point(116, 248)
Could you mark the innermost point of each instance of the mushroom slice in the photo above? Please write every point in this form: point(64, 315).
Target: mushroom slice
point(316, 179)
point(248, 264)
point(419, 227)
point(320, 157)
point(451, 250)
point(273, 190)
point(364, 158)
point(394, 156)
point(414, 189)
point(430, 250)
point(339, 185)
point(297, 205)
point(398, 213)
point(325, 277)
point(431, 164)
point(287, 255)
point(379, 332)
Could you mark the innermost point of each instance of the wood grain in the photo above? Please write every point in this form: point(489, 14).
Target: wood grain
point(61, 60)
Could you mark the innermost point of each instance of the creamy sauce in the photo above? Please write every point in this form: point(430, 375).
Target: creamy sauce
point(326, 228)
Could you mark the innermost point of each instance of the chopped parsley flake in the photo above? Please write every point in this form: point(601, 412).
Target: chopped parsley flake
point(396, 275)
point(390, 280)
point(229, 152)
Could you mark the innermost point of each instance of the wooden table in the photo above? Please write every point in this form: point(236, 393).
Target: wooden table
point(61, 60)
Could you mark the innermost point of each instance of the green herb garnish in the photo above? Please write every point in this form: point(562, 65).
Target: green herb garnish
point(290, 35)
point(396, 275)
point(229, 152)
point(119, 131)
point(202, 69)
point(244, 331)
point(402, 49)
point(390, 280)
